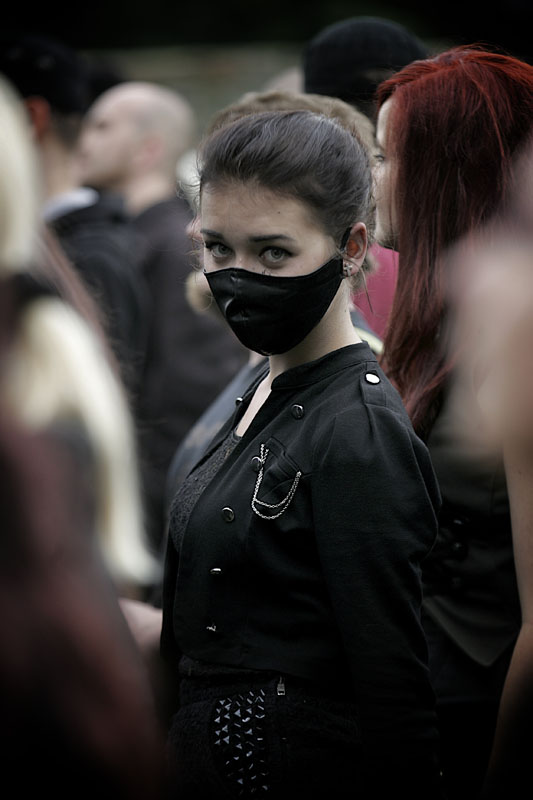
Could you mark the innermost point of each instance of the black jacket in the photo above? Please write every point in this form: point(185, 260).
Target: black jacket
point(330, 589)
point(193, 446)
point(470, 580)
point(103, 247)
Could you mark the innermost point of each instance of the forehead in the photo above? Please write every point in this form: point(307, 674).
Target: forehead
point(111, 107)
point(249, 205)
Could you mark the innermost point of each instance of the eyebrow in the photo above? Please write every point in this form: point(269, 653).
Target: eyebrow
point(263, 238)
point(216, 234)
point(269, 237)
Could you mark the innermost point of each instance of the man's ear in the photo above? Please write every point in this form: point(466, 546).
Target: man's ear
point(150, 151)
point(40, 115)
point(357, 244)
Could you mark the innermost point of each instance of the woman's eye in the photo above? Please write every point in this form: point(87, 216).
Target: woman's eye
point(217, 249)
point(274, 254)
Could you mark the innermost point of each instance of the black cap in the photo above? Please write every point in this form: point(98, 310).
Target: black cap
point(40, 66)
point(349, 59)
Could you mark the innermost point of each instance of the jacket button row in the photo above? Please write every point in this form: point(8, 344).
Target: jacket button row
point(228, 514)
point(297, 411)
point(371, 377)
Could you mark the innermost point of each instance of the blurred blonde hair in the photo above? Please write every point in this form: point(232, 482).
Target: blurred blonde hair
point(279, 100)
point(56, 367)
point(19, 187)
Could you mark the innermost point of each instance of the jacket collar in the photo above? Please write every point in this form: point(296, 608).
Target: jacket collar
point(324, 367)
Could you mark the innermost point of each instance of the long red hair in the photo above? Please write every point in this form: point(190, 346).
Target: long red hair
point(456, 125)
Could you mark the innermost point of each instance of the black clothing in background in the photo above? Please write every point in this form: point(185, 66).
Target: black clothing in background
point(471, 608)
point(190, 357)
point(102, 245)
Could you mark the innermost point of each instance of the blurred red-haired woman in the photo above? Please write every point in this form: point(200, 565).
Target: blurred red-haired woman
point(449, 129)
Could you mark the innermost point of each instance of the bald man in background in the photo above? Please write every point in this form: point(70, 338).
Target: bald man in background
point(132, 141)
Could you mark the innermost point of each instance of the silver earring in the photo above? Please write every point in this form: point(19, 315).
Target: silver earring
point(346, 270)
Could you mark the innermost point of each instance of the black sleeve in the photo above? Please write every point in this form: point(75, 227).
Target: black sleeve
point(375, 500)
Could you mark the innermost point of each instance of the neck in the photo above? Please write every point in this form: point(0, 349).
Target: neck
point(59, 171)
point(147, 190)
point(335, 330)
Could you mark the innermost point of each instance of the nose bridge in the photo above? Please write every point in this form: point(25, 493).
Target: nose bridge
point(246, 259)
point(242, 261)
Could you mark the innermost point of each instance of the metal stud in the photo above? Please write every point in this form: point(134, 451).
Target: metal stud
point(256, 463)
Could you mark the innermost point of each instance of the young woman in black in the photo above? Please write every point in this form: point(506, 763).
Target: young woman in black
point(291, 604)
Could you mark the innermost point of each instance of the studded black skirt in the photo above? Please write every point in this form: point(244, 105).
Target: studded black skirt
point(262, 735)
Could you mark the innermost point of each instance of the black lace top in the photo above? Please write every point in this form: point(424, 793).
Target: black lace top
point(190, 490)
point(181, 507)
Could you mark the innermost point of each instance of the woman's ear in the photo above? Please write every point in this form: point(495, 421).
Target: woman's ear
point(357, 244)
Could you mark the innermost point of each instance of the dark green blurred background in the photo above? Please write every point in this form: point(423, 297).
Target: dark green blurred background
point(140, 23)
point(212, 51)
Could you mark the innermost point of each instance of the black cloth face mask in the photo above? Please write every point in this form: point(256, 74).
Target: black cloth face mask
point(270, 314)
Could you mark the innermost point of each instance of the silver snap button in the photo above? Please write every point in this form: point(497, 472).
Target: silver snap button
point(297, 411)
point(256, 463)
point(238, 401)
point(371, 377)
point(228, 514)
point(215, 571)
